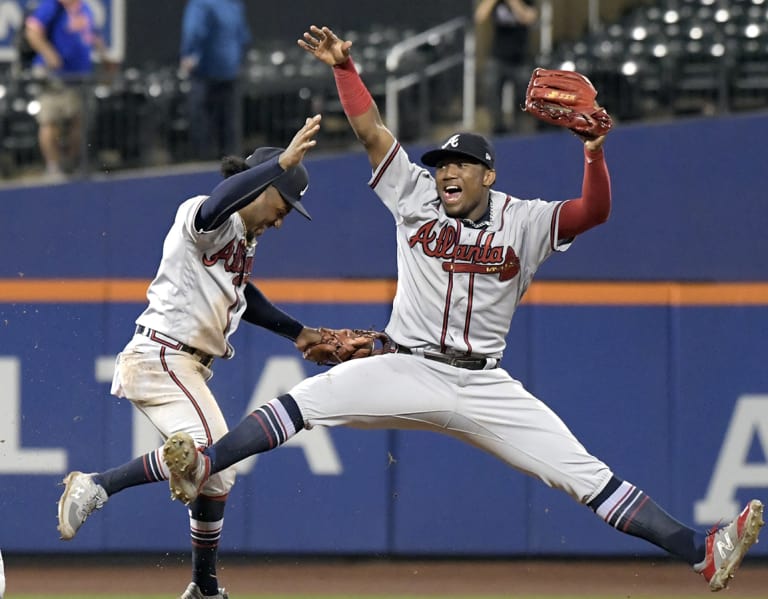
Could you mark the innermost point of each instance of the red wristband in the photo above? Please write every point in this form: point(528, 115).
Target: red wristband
point(355, 97)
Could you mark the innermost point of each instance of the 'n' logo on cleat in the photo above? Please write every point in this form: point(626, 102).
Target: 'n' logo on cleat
point(724, 546)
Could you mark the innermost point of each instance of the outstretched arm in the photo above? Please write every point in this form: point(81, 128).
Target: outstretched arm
point(261, 312)
point(241, 189)
point(594, 205)
point(361, 110)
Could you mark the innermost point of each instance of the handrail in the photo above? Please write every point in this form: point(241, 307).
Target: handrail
point(399, 49)
point(395, 84)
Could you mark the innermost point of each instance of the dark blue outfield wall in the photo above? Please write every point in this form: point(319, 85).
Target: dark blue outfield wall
point(674, 398)
point(689, 204)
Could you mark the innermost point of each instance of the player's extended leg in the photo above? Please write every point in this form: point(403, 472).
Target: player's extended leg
point(524, 427)
point(362, 393)
point(85, 493)
point(263, 429)
point(715, 555)
point(174, 396)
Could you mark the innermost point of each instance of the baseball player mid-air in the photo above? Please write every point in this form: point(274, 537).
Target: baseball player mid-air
point(196, 301)
point(466, 254)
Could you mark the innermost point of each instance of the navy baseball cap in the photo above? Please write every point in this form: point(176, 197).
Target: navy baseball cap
point(292, 184)
point(462, 144)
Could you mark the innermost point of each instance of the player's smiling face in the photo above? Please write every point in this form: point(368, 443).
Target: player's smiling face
point(463, 185)
point(267, 210)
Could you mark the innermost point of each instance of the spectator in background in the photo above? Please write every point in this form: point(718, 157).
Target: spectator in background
point(214, 38)
point(508, 58)
point(63, 33)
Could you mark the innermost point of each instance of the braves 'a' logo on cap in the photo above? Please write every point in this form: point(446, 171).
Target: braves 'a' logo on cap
point(452, 142)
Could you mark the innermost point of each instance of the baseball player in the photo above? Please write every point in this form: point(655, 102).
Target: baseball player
point(466, 254)
point(196, 301)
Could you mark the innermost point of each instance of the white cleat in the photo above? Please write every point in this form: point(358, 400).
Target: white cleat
point(81, 497)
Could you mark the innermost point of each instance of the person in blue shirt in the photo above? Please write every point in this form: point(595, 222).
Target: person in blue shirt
point(214, 38)
point(64, 34)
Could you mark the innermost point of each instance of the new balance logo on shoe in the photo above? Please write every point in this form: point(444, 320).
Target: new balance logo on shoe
point(725, 545)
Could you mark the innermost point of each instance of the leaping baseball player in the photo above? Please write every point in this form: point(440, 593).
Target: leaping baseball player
point(199, 295)
point(466, 253)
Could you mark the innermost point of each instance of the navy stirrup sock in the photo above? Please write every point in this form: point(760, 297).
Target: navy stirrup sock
point(263, 429)
point(145, 469)
point(629, 510)
point(206, 519)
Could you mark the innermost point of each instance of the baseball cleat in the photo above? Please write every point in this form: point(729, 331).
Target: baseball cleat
point(189, 467)
point(80, 498)
point(727, 546)
point(193, 592)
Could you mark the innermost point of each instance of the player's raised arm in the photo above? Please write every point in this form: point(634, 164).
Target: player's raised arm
point(361, 110)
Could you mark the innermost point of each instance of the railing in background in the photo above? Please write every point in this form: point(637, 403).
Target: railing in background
point(463, 55)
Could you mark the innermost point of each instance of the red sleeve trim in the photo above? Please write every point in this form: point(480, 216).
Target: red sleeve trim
point(385, 165)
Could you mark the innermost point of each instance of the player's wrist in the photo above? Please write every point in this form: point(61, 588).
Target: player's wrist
point(592, 150)
point(346, 65)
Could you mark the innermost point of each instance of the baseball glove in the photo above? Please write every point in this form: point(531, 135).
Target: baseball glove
point(566, 99)
point(339, 345)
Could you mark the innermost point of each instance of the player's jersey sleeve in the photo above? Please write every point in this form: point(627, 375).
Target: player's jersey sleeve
point(537, 224)
point(400, 183)
point(186, 215)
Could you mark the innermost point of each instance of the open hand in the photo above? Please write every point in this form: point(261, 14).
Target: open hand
point(301, 143)
point(323, 44)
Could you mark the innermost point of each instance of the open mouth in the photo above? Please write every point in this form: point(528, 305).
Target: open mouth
point(451, 193)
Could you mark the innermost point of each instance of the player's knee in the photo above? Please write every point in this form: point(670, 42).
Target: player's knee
point(220, 483)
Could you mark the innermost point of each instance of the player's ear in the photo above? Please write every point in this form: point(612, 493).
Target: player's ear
point(489, 178)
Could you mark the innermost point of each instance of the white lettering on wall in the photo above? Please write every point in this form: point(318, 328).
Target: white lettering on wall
point(15, 459)
point(732, 470)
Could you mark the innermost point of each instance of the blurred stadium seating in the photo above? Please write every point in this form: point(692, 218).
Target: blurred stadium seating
point(667, 59)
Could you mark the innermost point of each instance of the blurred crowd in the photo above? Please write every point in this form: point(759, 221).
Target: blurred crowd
point(63, 116)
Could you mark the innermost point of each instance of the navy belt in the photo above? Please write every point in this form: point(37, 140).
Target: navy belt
point(168, 341)
point(468, 362)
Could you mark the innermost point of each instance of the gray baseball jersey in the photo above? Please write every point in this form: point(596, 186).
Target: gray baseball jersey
point(197, 296)
point(459, 285)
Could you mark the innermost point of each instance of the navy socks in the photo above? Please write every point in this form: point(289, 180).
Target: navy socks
point(263, 429)
point(148, 468)
point(206, 519)
point(629, 510)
